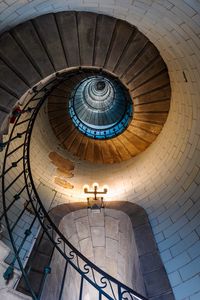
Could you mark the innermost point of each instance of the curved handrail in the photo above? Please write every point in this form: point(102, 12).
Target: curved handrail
point(105, 284)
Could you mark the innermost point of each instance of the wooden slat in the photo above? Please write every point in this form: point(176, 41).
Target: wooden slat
point(135, 45)
point(55, 115)
point(89, 153)
point(128, 144)
point(57, 106)
point(53, 99)
point(155, 83)
point(59, 93)
point(59, 128)
point(121, 149)
point(155, 118)
point(149, 54)
point(154, 128)
point(113, 151)
point(148, 73)
point(81, 152)
point(97, 152)
point(76, 143)
point(72, 81)
point(72, 139)
point(161, 106)
point(64, 135)
point(143, 134)
point(158, 95)
point(137, 141)
point(107, 156)
point(59, 122)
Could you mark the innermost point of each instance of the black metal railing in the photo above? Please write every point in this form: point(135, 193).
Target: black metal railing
point(22, 202)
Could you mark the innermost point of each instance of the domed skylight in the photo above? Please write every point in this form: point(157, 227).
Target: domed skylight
point(100, 107)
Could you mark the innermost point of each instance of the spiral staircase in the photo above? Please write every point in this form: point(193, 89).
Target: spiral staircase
point(65, 49)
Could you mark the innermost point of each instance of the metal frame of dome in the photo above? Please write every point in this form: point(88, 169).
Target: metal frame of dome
point(99, 114)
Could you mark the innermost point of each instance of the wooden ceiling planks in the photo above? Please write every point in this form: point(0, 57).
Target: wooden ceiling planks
point(137, 62)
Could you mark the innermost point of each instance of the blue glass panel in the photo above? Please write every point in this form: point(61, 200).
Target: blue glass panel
point(100, 107)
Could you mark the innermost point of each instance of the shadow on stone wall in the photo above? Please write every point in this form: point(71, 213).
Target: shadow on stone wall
point(154, 276)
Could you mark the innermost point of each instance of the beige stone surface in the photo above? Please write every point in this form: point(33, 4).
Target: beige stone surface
point(7, 294)
point(96, 219)
point(86, 248)
point(98, 236)
point(68, 226)
point(111, 248)
point(166, 176)
point(82, 227)
point(111, 266)
point(112, 227)
point(100, 256)
point(107, 253)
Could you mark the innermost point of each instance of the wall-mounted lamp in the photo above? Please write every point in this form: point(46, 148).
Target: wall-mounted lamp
point(95, 203)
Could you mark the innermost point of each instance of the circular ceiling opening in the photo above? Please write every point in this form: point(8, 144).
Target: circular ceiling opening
point(100, 107)
point(97, 119)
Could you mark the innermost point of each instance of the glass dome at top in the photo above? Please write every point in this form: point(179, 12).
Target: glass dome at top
point(100, 107)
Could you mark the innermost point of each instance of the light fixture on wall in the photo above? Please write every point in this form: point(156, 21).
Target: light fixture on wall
point(95, 203)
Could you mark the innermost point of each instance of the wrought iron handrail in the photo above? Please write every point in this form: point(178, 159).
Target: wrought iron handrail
point(104, 284)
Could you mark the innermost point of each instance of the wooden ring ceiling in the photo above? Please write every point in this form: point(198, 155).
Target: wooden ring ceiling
point(130, 56)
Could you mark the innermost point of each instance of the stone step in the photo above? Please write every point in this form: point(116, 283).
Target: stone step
point(105, 24)
point(9, 80)
point(53, 42)
point(28, 39)
point(48, 32)
point(86, 23)
point(67, 26)
point(119, 43)
point(12, 52)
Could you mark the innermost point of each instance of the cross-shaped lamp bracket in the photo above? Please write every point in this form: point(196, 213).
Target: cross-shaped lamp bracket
point(95, 203)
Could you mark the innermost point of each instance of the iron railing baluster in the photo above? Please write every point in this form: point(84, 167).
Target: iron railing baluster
point(27, 233)
point(16, 197)
point(21, 214)
point(47, 270)
point(81, 289)
point(89, 272)
point(22, 122)
point(20, 192)
point(35, 253)
point(119, 292)
point(14, 150)
point(13, 165)
point(16, 178)
point(63, 280)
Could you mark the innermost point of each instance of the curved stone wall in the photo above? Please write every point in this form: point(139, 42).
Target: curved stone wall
point(165, 178)
point(107, 239)
point(95, 235)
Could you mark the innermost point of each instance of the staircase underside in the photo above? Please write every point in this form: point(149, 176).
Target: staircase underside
point(54, 42)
